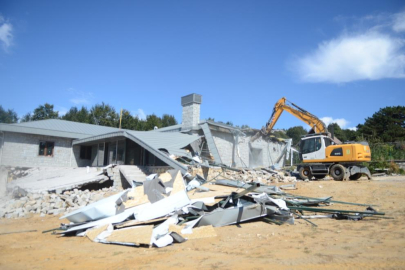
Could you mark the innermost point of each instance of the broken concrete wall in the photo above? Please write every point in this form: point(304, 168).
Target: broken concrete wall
point(268, 150)
point(22, 150)
point(264, 153)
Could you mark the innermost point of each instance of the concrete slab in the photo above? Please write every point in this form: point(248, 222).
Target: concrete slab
point(57, 179)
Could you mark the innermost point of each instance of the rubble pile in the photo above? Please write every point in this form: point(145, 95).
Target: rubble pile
point(167, 208)
point(261, 176)
point(45, 203)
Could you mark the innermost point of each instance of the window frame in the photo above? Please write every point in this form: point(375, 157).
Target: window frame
point(311, 145)
point(46, 148)
point(85, 152)
point(327, 141)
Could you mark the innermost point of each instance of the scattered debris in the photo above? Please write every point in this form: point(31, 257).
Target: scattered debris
point(171, 208)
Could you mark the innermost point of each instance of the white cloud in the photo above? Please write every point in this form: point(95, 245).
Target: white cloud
point(340, 121)
point(140, 114)
point(6, 35)
point(352, 128)
point(80, 97)
point(79, 101)
point(399, 22)
point(376, 53)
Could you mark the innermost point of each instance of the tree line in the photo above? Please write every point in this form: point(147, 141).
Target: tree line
point(100, 114)
point(386, 125)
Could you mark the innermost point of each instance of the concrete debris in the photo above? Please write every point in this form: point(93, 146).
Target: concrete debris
point(169, 208)
point(264, 176)
point(51, 203)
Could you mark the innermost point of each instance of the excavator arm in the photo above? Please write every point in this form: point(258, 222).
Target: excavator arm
point(314, 122)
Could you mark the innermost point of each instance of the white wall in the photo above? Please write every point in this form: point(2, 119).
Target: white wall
point(225, 142)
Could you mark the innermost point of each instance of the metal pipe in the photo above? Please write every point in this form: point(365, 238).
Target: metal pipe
point(323, 210)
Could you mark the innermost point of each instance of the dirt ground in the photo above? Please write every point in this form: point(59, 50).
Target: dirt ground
point(369, 243)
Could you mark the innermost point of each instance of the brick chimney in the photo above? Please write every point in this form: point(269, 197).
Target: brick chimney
point(191, 110)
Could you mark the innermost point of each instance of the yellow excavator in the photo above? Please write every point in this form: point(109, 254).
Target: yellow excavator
point(320, 152)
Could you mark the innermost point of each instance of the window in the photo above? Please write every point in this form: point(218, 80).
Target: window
point(46, 148)
point(85, 152)
point(311, 145)
point(318, 144)
point(308, 145)
point(327, 141)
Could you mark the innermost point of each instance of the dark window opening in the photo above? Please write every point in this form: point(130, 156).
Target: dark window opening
point(46, 148)
point(327, 142)
point(310, 145)
point(85, 152)
point(318, 144)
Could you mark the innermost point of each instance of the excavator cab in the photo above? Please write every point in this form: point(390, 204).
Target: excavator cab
point(321, 156)
point(313, 146)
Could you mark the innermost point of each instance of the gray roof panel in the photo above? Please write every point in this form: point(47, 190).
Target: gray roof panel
point(62, 126)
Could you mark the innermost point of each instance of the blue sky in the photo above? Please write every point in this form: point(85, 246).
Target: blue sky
point(340, 60)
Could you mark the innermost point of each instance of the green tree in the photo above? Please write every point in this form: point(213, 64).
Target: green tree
point(8, 117)
point(139, 124)
point(388, 125)
point(128, 121)
point(168, 120)
point(337, 131)
point(153, 121)
point(245, 127)
point(280, 134)
point(43, 112)
point(296, 133)
point(26, 118)
point(104, 115)
point(76, 115)
point(351, 135)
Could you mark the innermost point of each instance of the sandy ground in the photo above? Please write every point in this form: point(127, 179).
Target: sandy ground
point(369, 243)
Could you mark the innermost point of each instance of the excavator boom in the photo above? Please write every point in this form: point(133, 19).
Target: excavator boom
point(314, 122)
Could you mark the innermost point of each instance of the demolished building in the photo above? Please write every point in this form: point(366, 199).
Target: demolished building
point(60, 143)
